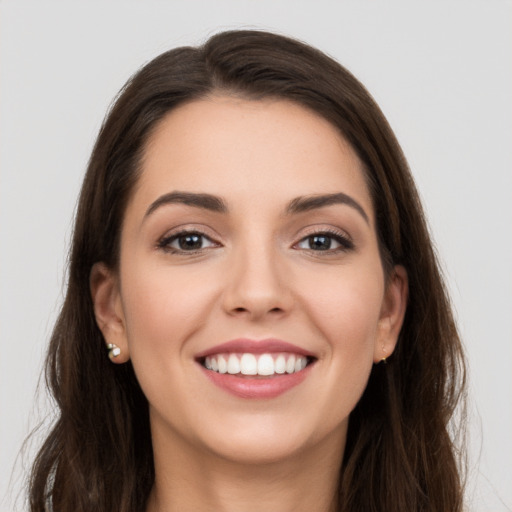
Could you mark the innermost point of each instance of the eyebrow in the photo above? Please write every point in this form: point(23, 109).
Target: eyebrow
point(306, 203)
point(205, 201)
point(218, 205)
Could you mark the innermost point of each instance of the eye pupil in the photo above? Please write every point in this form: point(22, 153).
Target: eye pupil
point(190, 241)
point(320, 242)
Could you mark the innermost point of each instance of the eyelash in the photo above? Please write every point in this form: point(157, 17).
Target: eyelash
point(165, 242)
point(345, 244)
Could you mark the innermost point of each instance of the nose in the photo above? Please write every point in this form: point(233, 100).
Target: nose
point(258, 284)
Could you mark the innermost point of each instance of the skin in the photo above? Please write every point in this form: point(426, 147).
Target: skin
point(256, 277)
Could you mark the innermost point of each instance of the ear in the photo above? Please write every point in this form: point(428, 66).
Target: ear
point(108, 309)
point(392, 313)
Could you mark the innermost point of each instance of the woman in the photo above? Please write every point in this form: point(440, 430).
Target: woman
point(251, 253)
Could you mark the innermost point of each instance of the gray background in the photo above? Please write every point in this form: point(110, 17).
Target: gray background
point(442, 73)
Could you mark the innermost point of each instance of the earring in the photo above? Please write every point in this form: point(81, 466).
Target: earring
point(113, 351)
point(384, 359)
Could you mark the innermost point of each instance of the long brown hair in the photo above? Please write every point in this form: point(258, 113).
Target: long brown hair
point(399, 453)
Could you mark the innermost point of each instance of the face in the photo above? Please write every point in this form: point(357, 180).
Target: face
point(250, 295)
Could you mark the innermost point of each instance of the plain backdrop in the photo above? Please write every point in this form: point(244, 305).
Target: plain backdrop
point(442, 73)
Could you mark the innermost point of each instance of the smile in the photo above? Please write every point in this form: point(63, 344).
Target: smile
point(256, 364)
point(256, 369)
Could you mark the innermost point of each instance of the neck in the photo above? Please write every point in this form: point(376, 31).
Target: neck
point(186, 480)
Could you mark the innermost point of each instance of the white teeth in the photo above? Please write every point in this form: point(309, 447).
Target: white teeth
point(248, 365)
point(290, 364)
point(223, 364)
point(266, 365)
point(233, 364)
point(280, 364)
point(300, 364)
point(251, 364)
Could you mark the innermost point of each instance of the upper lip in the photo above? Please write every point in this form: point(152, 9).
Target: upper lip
point(246, 345)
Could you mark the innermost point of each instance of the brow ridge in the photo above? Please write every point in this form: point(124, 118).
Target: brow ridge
point(217, 204)
point(307, 203)
point(199, 200)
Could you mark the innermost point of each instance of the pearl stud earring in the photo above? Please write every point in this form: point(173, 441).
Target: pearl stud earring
point(113, 351)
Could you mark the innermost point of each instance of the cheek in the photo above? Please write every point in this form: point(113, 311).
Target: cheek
point(345, 310)
point(346, 305)
point(162, 309)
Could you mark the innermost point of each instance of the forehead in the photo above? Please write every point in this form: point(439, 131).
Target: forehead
point(266, 149)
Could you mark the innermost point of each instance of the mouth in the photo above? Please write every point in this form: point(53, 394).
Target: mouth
point(256, 369)
point(256, 365)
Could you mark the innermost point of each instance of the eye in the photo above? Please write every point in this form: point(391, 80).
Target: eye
point(326, 242)
point(186, 241)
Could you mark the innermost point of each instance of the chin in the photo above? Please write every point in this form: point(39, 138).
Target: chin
point(258, 448)
point(267, 442)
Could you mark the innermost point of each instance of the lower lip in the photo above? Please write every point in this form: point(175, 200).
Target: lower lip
point(247, 387)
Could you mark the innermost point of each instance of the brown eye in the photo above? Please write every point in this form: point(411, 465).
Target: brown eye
point(325, 242)
point(190, 242)
point(319, 242)
point(186, 242)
